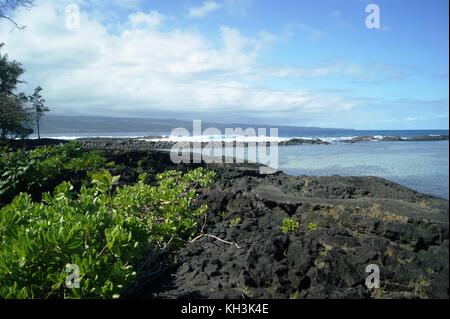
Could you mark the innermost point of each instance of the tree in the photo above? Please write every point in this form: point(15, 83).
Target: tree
point(38, 105)
point(15, 119)
point(8, 6)
point(10, 72)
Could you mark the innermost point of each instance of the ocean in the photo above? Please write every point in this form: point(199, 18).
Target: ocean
point(422, 166)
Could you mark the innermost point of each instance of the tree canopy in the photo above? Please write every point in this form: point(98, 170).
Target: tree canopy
point(38, 105)
point(15, 119)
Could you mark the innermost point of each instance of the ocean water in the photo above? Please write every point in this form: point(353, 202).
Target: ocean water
point(283, 133)
point(330, 133)
point(422, 166)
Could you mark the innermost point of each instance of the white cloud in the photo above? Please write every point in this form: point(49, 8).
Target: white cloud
point(204, 9)
point(151, 19)
point(152, 71)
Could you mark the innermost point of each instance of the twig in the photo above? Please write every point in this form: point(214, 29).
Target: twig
point(217, 238)
point(20, 27)
point(168, 243)
point(11, 5)
point(101, 252)
point(204, 223)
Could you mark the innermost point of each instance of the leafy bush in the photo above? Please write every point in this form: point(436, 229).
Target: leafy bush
point(31, 170)
point(312, 226)
point(289, 225)
point(235, 221)
point(102, 232)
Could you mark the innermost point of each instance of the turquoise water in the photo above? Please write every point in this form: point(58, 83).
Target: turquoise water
point(423, 166)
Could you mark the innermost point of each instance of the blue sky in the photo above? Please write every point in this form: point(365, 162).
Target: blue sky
point(308, 63)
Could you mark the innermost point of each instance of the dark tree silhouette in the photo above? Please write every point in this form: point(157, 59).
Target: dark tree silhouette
point(38, 104)
point(8, 6)
point(15, 119)
point(10, 72)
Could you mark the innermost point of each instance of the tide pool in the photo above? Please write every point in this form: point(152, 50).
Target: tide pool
point(422, 166)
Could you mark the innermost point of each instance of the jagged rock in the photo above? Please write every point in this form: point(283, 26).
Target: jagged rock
point(358, 221)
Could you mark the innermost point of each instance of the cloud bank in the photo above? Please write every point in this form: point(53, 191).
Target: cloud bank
point(146, 66)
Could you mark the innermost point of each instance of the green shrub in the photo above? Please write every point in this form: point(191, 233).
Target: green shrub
point(289, 225)
point(103, 233)
point(32, 170)
point(235, 221)
point(312, 226)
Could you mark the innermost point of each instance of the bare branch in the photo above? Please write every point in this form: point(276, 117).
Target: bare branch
point(8, 6)
point(217, 238)
point(20, 27)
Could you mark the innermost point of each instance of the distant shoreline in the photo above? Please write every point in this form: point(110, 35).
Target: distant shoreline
point(310, 145)
point(166, 142)
point(149, 143)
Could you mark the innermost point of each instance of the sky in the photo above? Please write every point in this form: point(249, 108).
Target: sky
point(285, 62)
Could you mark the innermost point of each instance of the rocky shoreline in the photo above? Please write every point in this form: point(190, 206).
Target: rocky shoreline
point(358, 221)
point(152, 143)
point(149, 144)
point(160, 143)
point(370, 138)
